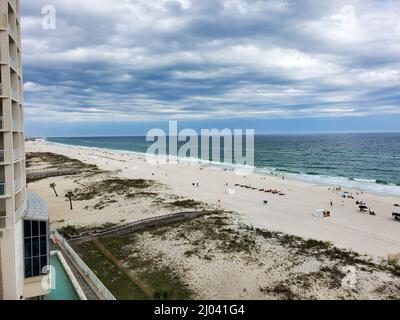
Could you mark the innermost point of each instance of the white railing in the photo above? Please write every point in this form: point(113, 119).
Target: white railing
point(15, 124)
point(13, 4)
point(14, 94)
point(19, 213)
point(17, 184)
point(2, 189)
point(88, 272)
point(17, 154)
point(11, 31)
point(13, 63)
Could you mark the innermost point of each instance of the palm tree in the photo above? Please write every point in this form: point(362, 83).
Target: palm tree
point(53, 186)
point(69, 195)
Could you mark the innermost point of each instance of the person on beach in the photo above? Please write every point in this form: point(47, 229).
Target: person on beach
point(331, 203)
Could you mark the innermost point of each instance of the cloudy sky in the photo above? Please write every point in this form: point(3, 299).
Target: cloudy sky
point(123, 66)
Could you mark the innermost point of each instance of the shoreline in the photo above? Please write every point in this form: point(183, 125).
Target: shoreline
point(354, 184)
point(293, 213)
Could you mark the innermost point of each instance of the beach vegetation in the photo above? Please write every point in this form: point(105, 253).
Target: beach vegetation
point(53, 187)
point(154, 280)
point(110, 187)
point(281, 290)
point(53, 165)
point(70, 195)
point(393, 260)
point(186, 204)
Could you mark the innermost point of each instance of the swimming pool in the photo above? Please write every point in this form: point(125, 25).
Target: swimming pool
point(64, 289)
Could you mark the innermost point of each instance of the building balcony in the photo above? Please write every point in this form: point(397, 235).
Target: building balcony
point(1, 123)
point(15, 124)
point(14, 94)
point(17, 184)
point(18, 154)
point(12, 32)
point(3, 220)
point(19, 213)
point(13, 63)
point(2, 189)
point(2, 156)
point(13, 4)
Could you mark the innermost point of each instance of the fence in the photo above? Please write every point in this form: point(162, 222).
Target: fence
point(31, 175)
point(88, 272)
point(140, 225)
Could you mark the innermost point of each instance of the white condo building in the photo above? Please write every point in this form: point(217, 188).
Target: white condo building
point(24, 252)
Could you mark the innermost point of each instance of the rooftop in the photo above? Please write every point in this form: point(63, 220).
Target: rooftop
point(36, 208)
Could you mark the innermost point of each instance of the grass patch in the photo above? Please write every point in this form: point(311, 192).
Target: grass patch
point(186, 204)
point(313, 247)
point(393, 260)
point(55, 165)
point(164, 282)
point(121, 286)
point(214, 229)
point(110, 187)
point(56, 161)
point(281, 290)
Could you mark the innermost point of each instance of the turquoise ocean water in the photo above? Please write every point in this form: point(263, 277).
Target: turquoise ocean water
point(368, 161)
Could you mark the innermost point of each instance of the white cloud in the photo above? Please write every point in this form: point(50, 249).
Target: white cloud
point(193, 59)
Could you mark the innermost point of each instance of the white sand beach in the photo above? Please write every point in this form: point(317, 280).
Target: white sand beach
point(290, 213)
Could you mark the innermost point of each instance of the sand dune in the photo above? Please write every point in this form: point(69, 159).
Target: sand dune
point(290, 213)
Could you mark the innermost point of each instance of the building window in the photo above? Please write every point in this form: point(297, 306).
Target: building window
point(35, 248)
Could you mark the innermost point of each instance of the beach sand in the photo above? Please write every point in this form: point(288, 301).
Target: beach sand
point(291, 213)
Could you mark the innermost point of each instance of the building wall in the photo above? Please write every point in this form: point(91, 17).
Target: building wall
point(12, 166)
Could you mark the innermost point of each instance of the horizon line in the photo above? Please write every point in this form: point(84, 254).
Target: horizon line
point(257, 134)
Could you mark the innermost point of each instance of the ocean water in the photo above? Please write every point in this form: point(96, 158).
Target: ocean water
point(368, 162)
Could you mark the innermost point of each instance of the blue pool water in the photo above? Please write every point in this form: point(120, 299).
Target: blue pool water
point(64, 289)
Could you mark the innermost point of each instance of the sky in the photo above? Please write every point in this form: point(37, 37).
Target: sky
point(122, 67)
